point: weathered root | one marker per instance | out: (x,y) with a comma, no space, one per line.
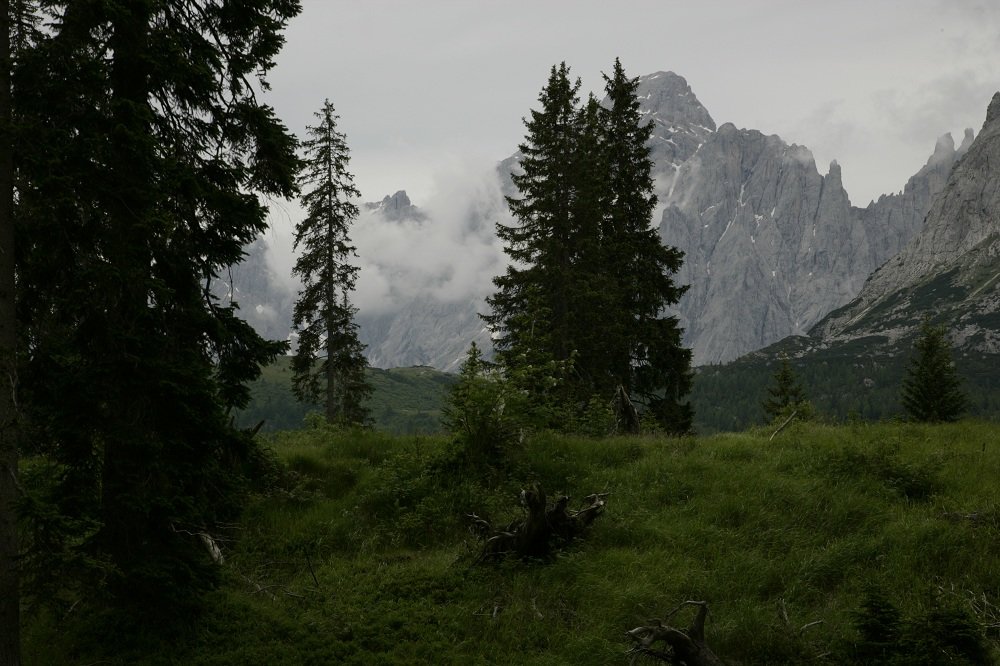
(542,529)
(680,647)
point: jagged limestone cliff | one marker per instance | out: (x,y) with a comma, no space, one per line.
(950,271)
(771,245)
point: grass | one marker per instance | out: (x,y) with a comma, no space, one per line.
(404,401)
(363,555)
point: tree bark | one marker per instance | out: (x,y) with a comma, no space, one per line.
(10,623)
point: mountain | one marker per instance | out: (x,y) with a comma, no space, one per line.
(435,271)
(264,300)
(854,359)
(424,331)
(770,245)
(681,124)
(949,271)
(396,208)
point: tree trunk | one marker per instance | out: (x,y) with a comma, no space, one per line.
(10,624)
(332,408)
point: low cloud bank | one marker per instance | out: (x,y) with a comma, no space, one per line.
(451,255)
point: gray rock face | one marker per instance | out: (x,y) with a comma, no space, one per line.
(396,207)
(770,245)
(430,312)
(264,300)
(905,210)
(680,123)
(950,270)
(424,331)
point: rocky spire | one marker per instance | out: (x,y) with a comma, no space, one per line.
(951,265)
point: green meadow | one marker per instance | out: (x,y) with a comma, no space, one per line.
(826,544)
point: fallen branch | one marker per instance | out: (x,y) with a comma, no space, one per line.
(782,426)
(206,539)
(680,647)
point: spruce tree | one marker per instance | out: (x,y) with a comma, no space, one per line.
(785,394)
(323,316)
(590,279)
(932,390)
(149,153)
(643,344)
(532,310)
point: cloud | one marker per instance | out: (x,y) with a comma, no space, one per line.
(280,238)
(450,256)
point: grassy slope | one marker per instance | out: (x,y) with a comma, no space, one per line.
(404,400)
(364,558)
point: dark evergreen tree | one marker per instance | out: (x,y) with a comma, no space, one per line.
(592,297)
(932,390)
(324,317)
(149,149)
(643,345)
(785,394)
(532,310)
(481,410)
(590,279)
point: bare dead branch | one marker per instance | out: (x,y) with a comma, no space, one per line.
(680,647)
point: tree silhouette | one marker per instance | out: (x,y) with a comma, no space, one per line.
(932,390)
(785,394)
(324,316)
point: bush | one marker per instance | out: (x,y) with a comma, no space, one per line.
(483,411)
(942,634)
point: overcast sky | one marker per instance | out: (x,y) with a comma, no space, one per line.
(430,87)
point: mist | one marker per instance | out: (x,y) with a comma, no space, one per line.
(450,255)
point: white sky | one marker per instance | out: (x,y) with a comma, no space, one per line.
(423,86)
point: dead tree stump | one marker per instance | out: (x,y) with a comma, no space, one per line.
(542,528)
(680,647)
(626,415)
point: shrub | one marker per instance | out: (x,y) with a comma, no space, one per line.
(483,411)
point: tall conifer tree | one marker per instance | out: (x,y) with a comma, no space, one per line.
(643,344)
(932,390)
(324,317)
(590,278)
(140,186)
(532,311)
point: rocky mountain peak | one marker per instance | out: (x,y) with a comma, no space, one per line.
(396,207)
(397,201)
(967,140)
(945,145)
(669,99)
(993,111)
(834,177)
(950,268)
(771,245)
(680,124)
